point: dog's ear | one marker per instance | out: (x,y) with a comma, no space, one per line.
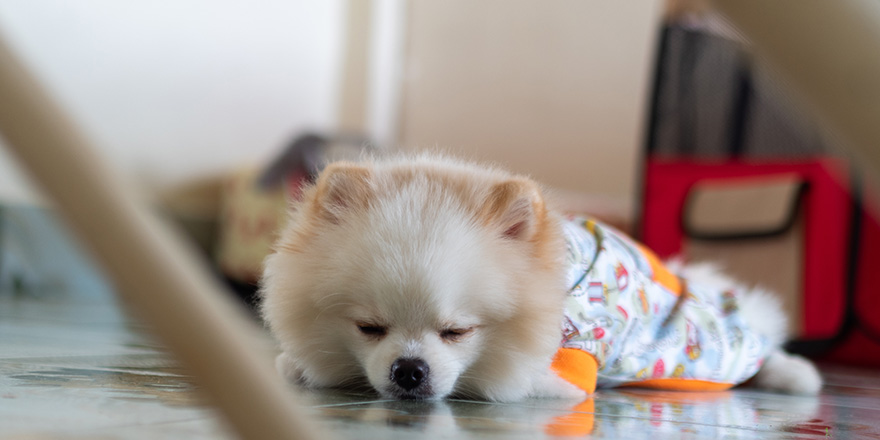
(515,208)
(341,187)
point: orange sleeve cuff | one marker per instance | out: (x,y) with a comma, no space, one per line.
(577,367)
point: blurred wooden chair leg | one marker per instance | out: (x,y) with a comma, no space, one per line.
(155,275)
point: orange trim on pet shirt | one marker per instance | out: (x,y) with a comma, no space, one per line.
(577,367)
(581,370)
(680,385)
(661,275)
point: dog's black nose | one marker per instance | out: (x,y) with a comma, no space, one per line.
(409,373)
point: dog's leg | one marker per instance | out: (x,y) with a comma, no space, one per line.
(763,314)
(781,371)
(551,386)
(788,373)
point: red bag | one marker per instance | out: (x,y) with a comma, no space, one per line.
(831,238)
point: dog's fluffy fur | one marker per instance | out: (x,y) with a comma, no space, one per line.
(455,265)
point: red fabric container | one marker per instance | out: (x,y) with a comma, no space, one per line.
(839,244)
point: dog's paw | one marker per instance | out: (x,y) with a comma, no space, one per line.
(286,368)
(788,373)
(551,386)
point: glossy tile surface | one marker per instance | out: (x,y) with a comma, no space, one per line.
(83,370)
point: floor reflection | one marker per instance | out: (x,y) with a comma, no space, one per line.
(80,371)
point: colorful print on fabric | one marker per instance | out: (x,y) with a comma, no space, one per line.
(639,330)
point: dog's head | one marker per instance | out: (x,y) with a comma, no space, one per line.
(425,277)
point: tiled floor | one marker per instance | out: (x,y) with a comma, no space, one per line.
(83,371)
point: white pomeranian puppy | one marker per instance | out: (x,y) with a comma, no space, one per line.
(426,277)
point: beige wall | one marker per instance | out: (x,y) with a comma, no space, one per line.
(174,91)
(554,89)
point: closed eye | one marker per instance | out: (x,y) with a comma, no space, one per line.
(455,334)
(372,330)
